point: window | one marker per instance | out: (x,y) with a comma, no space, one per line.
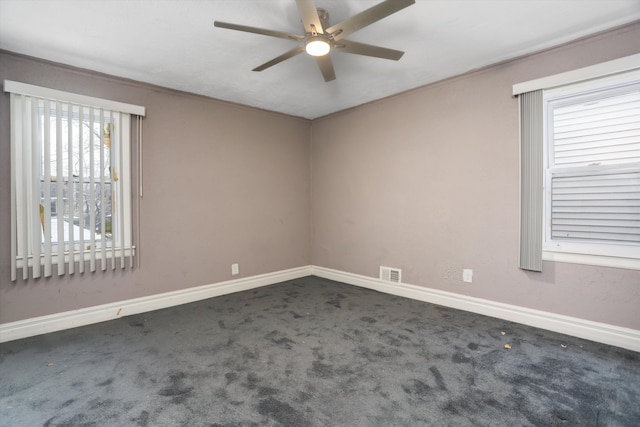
(592,169)
(71,181)
(580,166)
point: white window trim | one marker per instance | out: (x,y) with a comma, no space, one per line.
(73,98)
(596,260)
(620,65)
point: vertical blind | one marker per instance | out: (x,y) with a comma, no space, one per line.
(71,183)
(531,179)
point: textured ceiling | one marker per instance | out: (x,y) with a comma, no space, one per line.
(173,43)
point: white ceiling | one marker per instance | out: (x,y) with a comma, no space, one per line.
(173,43)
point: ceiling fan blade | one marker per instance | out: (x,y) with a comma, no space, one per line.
(289,54)
(326,67)
(262,31)
(309,15)
(367,17)
(347,46)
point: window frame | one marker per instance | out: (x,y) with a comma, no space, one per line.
(618,255)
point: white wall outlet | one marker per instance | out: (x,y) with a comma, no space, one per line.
(467,275)
(235,270)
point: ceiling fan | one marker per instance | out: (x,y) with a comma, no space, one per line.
(320,38)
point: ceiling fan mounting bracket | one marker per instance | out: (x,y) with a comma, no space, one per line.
(323,17)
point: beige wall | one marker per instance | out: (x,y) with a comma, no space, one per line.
(223,184)
(428,182)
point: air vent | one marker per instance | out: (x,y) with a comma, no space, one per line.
(388,274)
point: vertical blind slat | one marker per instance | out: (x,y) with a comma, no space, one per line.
(15,135)
(137,242)
(46,184)
(103,240)
(92,193)
(112,176)
(81,188)
(34,192)
(120,192)
(23,202)
(59,188)
(70,192)
(531,158)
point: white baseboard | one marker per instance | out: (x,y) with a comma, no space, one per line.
(594,331)
(86,316)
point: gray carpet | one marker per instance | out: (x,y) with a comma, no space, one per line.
(312,352)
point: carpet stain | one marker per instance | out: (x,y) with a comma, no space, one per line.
(252,381)
(451,408)
(49,422)
(320,370)
(303,396)
(389,339)
(67,403)
(142,420)
(250,354)
(381,352)
(176,389)
(231,377)
(459,357)
(318,353)
(100,404)
(221,394)
(105,383)
(438,377)
(335,301)
(233,425)
(267,391)
(279,339)
(282,412)
(417,388)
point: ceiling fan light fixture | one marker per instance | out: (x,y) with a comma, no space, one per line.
(317,46)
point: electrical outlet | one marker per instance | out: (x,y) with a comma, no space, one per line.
(235,270)
(467,275)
